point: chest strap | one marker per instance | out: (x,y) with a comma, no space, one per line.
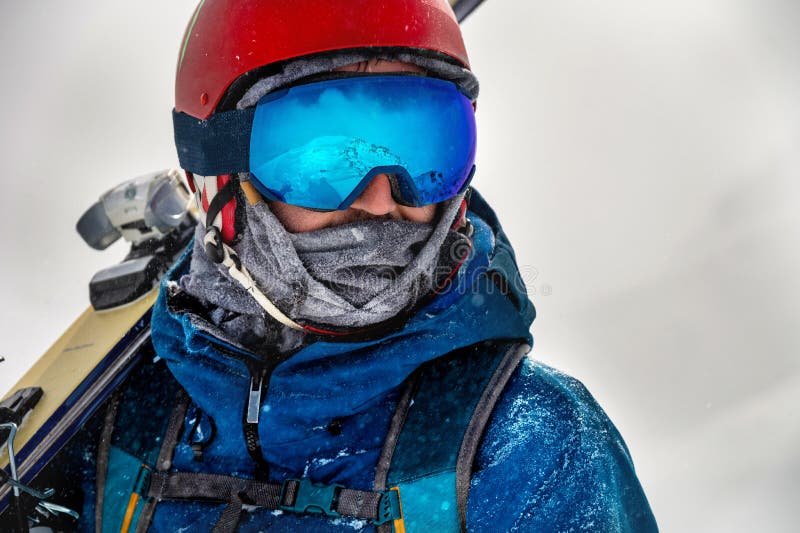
(293,495)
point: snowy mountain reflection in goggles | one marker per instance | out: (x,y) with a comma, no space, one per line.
(319,145)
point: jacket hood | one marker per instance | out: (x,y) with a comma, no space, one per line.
(352,383)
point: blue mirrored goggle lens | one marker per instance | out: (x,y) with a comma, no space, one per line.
(319,145)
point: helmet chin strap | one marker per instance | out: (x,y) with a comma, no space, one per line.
(221,253)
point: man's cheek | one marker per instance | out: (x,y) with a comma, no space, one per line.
(296,219)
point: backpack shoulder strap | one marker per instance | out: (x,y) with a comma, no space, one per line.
(164,462)
(477,425)
(436,430)
(138,436)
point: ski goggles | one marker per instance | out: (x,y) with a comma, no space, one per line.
(319,145)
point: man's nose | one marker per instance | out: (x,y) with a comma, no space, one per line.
(377,197)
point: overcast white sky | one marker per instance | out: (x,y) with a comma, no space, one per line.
(642,156)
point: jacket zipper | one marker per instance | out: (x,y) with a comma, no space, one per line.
(260,372)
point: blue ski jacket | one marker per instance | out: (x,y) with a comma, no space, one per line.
(550,459)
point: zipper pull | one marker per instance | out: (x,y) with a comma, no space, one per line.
(259,376)
(254,400)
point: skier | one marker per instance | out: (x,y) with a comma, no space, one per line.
(347,338)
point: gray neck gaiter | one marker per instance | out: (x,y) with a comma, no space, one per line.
(345,277)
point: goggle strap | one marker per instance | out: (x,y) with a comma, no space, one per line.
(219,145)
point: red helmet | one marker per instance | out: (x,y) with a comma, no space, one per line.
(227,39)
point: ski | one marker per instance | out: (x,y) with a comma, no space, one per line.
(97,352)
(463,8)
